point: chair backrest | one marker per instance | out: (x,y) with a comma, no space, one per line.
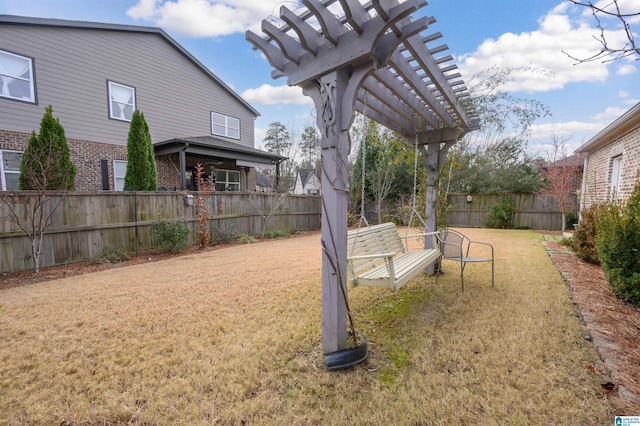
(451,243)
(382,238)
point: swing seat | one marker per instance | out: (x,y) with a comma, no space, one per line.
(378,257)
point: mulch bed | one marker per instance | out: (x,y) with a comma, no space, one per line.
(611,324)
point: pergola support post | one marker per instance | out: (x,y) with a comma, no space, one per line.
(334,95)
(436,154)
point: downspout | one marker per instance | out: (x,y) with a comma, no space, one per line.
(277,176)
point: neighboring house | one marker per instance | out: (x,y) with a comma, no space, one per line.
(307,182)
(568,169)
(95,75)
(612,160)
(263,183)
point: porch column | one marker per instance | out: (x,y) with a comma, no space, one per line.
(183,167)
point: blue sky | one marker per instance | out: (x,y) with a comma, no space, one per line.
(583,98)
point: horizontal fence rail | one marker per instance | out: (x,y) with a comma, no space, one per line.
(85,224)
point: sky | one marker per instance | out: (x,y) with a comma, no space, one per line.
(582,98)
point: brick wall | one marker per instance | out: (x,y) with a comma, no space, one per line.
(599,169)
(87,155)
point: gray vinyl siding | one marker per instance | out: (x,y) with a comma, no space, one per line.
(72,67)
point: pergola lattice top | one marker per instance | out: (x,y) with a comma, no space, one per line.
(406,87)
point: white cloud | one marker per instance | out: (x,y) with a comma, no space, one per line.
(547,130)
(626,69)
(273,95)
(205,18)
(611,113)
(559,31)
(623,94)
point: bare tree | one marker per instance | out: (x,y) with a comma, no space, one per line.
(561,174)
(611,9)
(32,210)
(381,177)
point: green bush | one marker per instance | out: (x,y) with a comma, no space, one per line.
(570,219)
(111,255)
(501,213)
(277,234)
(584,238)
(170,236)
(618,245)
(246,239)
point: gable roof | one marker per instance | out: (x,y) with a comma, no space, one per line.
(305,175)
(86,25)
(621,126)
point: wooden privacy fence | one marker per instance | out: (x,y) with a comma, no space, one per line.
(85,224)
(532,210)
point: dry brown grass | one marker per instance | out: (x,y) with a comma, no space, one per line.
(233,336)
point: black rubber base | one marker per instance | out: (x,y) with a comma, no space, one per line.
(346,358)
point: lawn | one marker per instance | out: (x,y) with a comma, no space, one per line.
(233,336)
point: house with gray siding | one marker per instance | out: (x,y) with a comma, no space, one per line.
(95,75)
(612,160)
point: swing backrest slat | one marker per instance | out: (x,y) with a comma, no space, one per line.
(375,239)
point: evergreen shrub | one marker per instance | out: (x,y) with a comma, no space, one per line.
(170,236)
(618,245)
(584,238)
(501,213)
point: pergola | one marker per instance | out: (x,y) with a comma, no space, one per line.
(351,56)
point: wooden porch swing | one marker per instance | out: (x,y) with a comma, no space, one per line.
(377,255)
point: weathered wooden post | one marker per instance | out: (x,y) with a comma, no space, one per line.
(335,103)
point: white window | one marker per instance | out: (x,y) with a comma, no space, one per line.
(122,101)
(119,170)
(227,180)
(616,170)
(10,170)
(16,77)
(223,125)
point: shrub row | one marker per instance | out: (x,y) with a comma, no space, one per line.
(610,234)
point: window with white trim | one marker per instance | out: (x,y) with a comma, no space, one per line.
(223,125)
(16,77)
(616,171)
(122,101)
(119,171)
(10,170)
(227,180)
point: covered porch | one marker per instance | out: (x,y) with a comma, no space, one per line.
(231,166)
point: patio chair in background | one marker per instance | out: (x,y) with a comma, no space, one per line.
(458,247)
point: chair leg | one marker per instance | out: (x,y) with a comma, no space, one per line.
(492,274)
(462,265)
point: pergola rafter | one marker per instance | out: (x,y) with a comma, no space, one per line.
(349,56)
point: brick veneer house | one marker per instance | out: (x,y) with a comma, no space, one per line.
(612,160)
(95,75)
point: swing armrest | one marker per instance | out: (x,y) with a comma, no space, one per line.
(422,234)
(371,256)
(433,235)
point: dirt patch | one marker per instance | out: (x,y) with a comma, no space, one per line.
(611,324)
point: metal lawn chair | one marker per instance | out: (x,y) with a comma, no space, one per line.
(458,247)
